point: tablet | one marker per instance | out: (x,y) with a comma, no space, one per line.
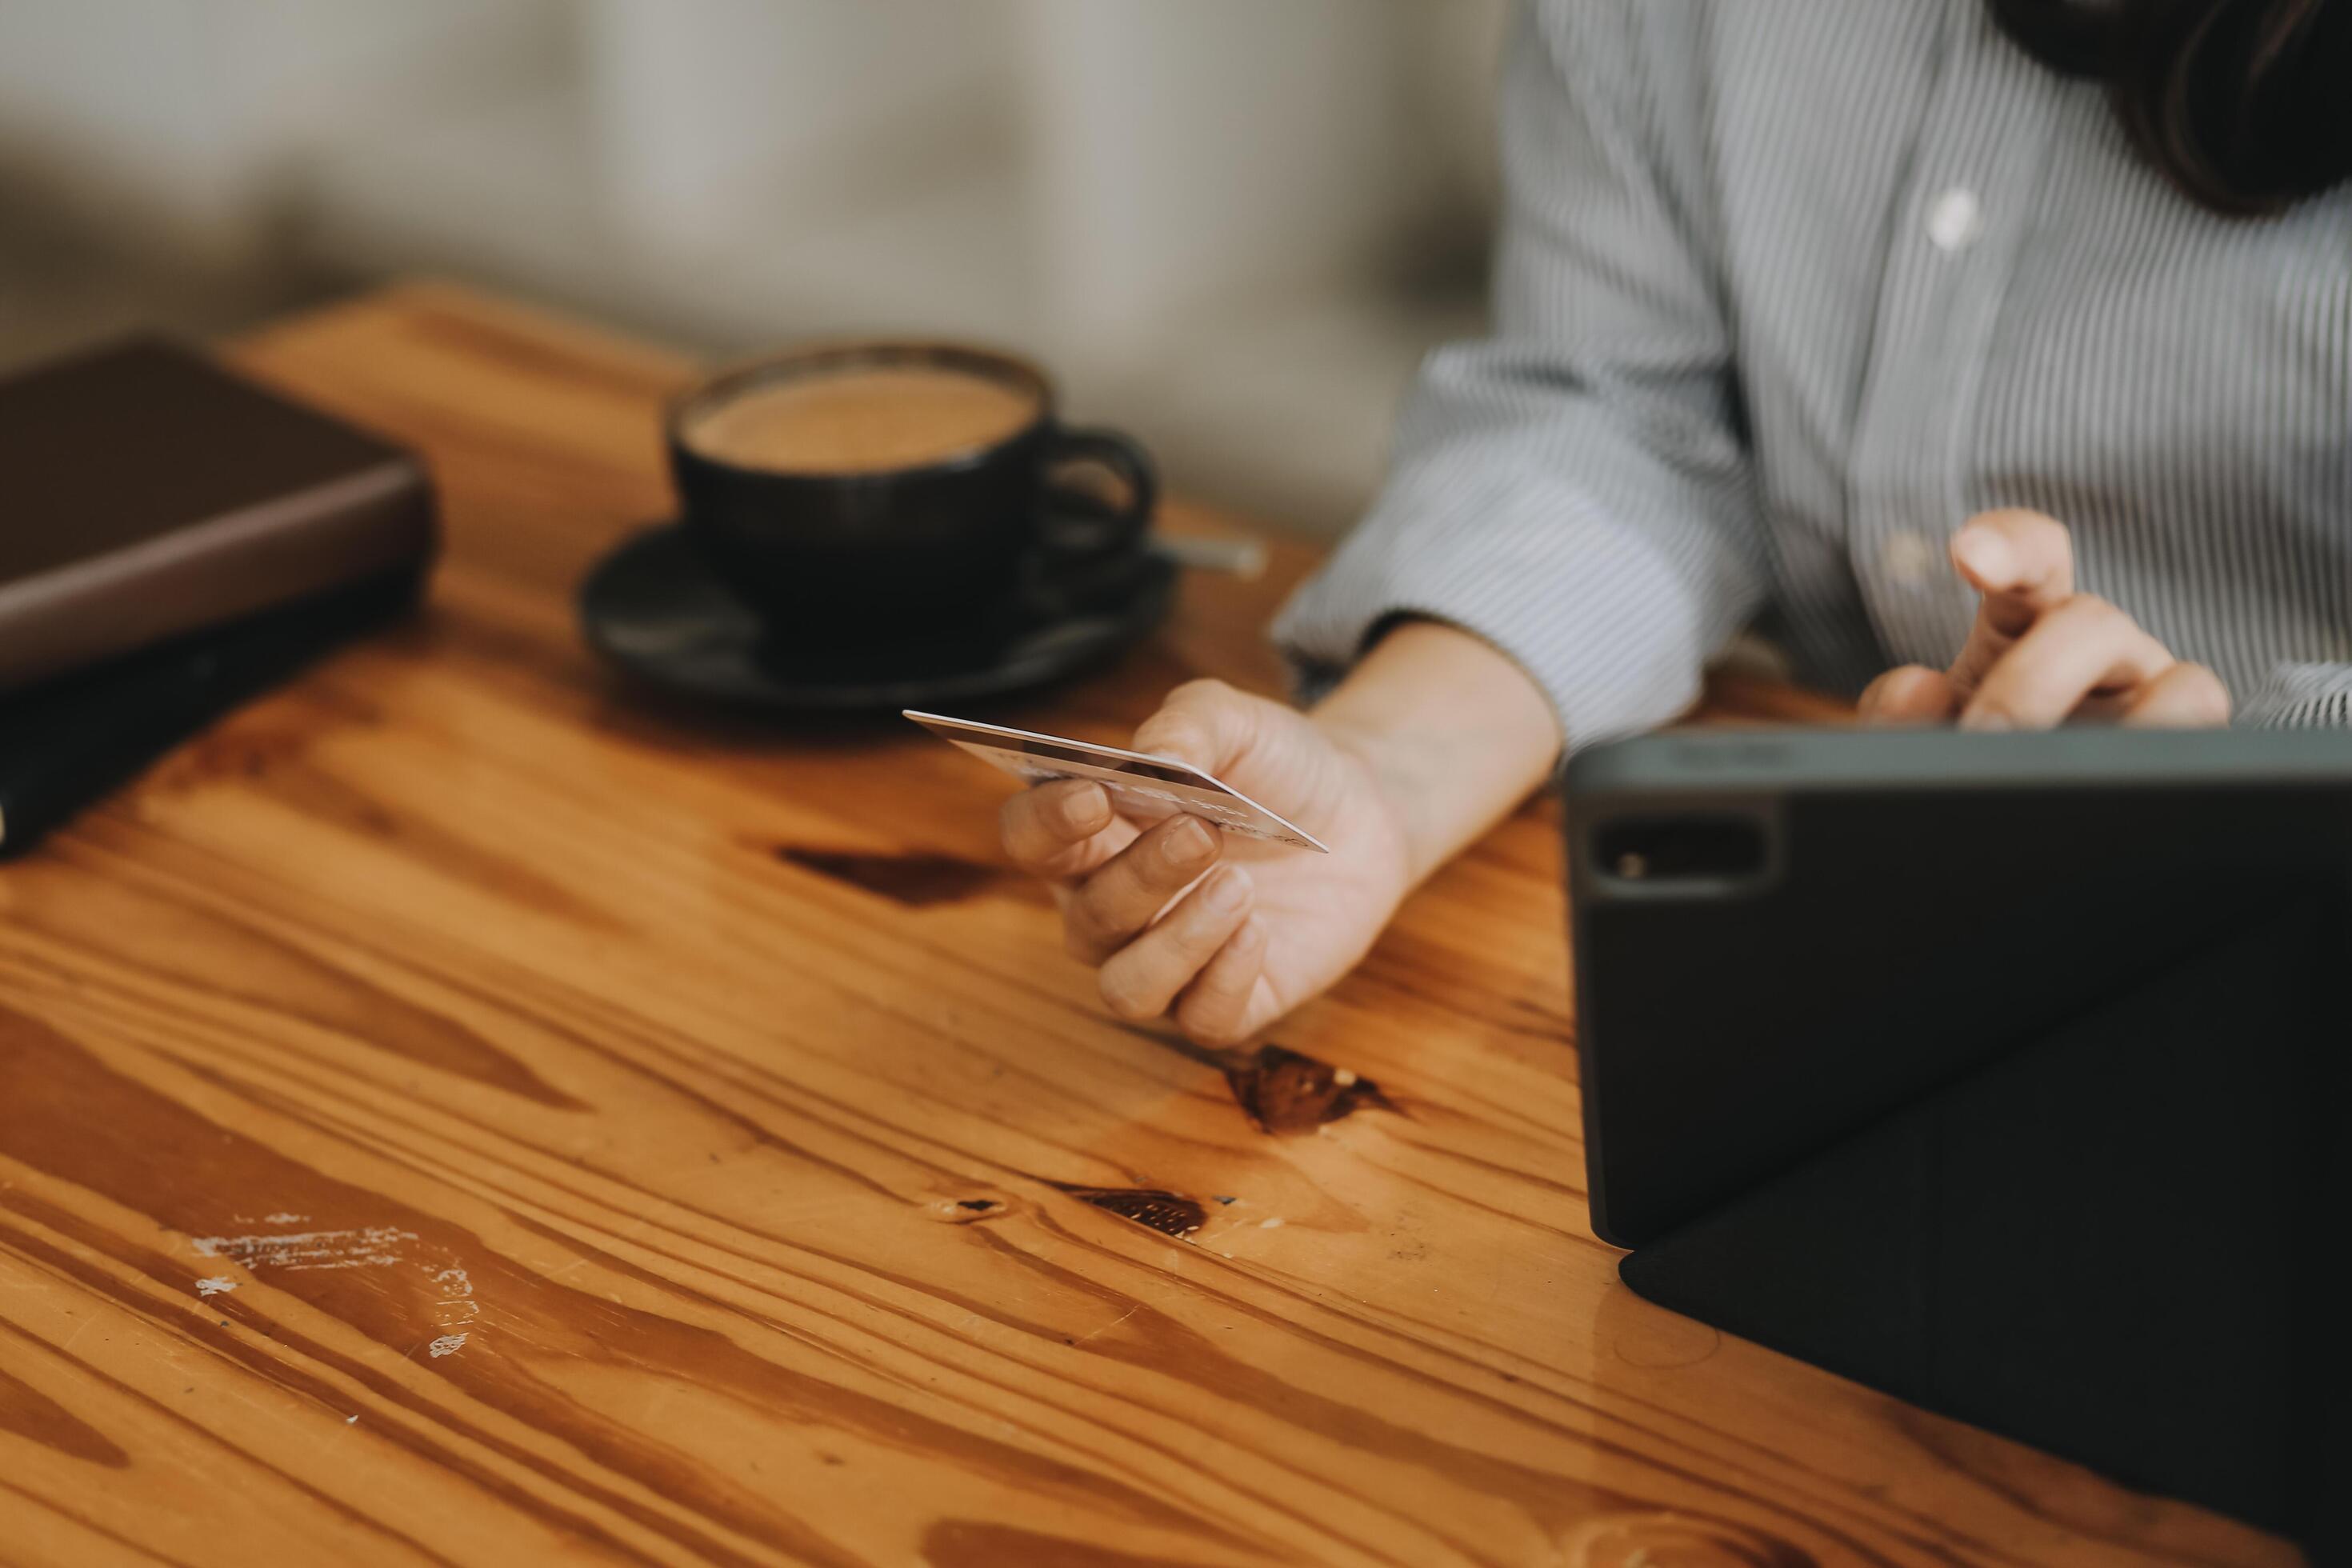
(1781,936)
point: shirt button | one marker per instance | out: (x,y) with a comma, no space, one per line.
(1909,559)
(1955,218)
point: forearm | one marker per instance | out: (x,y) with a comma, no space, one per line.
(1456,733)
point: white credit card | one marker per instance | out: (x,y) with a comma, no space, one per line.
(1151,785)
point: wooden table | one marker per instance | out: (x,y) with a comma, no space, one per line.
(461,1111)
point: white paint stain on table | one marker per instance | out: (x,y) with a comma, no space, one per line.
(368,1247)
(454,1308)
(456,1304)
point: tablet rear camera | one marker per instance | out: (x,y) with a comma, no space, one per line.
(1653,849)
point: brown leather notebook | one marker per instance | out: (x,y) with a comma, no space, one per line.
(146,492)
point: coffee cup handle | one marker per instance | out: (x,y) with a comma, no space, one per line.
(1084,524)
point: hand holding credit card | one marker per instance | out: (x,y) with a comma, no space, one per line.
(1149,786)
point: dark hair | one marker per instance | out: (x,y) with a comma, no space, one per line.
(2246,105)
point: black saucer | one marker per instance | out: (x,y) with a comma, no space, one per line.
(655,608)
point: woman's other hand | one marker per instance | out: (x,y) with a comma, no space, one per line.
(2039,653)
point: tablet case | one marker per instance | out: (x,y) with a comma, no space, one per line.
(2116,1240)
(146,491)
(1909,935)
(68,743)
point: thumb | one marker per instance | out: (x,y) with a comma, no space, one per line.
(1911,694)
(1206,723)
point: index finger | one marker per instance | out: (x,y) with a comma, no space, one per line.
(2023,563)
(1064,828)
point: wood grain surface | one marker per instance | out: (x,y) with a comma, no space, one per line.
(465,1111)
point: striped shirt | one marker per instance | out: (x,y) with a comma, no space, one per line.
(1786,291)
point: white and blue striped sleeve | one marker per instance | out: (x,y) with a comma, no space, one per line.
(1575,490)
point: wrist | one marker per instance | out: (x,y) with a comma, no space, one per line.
(1396,771)
(1452,733)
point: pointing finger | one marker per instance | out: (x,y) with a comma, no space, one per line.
(2023,564)
(2025,560)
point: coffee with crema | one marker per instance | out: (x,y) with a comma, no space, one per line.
(842,489)
(861,419)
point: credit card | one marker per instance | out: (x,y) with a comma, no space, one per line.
(1151,785)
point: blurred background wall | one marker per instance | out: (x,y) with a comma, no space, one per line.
(1232,225)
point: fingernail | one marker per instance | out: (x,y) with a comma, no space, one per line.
(1226,890)
(1188,841)
(1988,721)
(1174,741)
(1985,554)
(1086,811)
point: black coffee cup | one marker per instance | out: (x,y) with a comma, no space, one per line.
(888,535)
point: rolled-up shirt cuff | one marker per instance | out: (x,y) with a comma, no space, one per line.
(1605,623)
(2301,696)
